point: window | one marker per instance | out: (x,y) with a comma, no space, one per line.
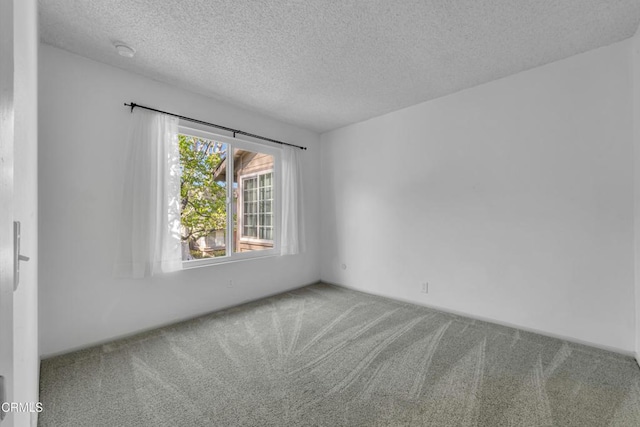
(257,207)
(228,198)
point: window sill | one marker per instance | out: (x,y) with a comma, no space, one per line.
(188,265)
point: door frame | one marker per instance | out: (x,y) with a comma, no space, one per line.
(7,111)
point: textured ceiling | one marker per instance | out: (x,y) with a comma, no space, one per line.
(325,64)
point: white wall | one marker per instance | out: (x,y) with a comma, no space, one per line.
(513,199)
(83,126)
(635,70)
(25,315)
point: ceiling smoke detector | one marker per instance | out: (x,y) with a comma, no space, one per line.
(124,49)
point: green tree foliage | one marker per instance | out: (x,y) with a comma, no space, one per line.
(203,199)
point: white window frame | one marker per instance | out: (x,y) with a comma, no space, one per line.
(232,144)
(241,206)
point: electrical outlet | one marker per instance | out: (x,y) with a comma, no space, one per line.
(424,288)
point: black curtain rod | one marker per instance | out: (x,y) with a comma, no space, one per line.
(234,131)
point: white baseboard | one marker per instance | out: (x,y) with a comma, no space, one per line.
(497,322)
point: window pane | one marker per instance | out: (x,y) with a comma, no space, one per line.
(203,196)
(253,202)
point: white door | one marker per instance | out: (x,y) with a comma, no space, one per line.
(6,203)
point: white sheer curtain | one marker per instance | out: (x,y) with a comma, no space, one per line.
(149,224)
(292,238)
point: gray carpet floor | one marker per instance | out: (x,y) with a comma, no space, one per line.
(327,356)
